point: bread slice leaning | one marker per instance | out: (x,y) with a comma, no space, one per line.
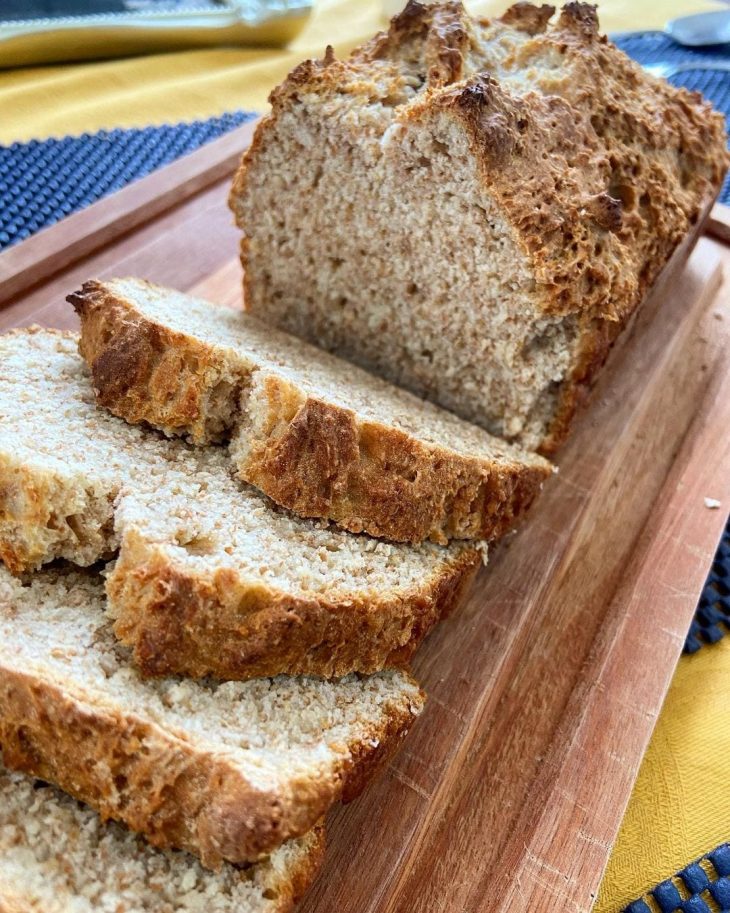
(58,856)
(228,771)
(319,436)
(211,577)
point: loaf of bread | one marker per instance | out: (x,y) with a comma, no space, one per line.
(316,434)
(211,577)
(474,208)
(225,770)
(58,856)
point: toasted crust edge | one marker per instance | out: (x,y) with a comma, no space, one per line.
(135,772)
(597,343)
(310,456)
(301,877)
(221,625)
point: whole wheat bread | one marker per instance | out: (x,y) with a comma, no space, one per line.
(227,771)
(211,577)
(317,435)
(57,856)
(473,208)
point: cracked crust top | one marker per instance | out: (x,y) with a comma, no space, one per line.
(598,169)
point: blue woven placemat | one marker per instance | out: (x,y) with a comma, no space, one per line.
(701,887)
(43,181)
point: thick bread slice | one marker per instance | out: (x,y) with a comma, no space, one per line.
(317,435)
(58,856)
(211,577)
(227,771)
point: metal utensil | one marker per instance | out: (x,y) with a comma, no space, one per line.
(700,29)
(665,70)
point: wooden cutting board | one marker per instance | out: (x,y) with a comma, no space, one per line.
(544,689)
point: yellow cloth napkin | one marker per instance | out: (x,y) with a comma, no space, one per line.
(165,88)
(680,808)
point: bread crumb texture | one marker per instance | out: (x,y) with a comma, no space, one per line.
(212,577)
(57,856)
(226,770)
(318,435)
(473,208)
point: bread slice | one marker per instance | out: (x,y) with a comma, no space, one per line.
(57,856)
(473,208)
(319,436)
(211,578)
(227,771)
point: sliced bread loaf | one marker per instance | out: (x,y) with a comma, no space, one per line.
(317,435)
(58,856)
(212,578)
(227,771)
(473,208)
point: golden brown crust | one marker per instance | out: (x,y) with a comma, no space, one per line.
(133,771)
(220,625)
(145,372)
(310,456)
(600,172)
(301,876)
(324,461)
(581,263)
(34,526)
(526,17)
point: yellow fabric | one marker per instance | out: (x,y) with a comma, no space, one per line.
(681,804)
(166,88)
(680,807)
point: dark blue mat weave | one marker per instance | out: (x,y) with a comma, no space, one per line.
(712,618)
(702,887)
(43,181)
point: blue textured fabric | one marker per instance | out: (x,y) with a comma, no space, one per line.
(43,181)
(705,880)
(712,618)
(720,892)
(720,859)
(638,906)
(695,905)
(695,878)
(667,896)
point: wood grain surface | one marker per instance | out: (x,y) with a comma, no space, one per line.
(545,687)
